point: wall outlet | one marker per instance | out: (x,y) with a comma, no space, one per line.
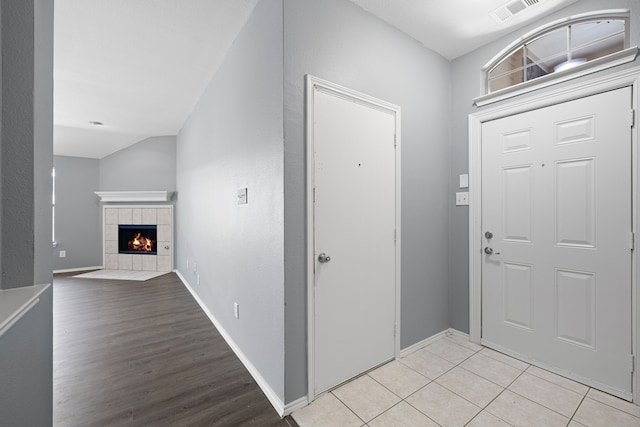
(198,279)
(462,199)
(236,310)
(63,254)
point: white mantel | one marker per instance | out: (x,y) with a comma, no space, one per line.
(134,196)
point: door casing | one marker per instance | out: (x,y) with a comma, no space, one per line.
(626,78)
(311,84)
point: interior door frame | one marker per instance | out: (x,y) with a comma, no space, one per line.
(312,83)
(626,78)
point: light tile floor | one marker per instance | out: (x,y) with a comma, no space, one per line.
(453,382)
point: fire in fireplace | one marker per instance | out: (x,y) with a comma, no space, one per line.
(137,239)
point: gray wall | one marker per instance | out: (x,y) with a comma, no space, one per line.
(26,369)
(337,41)
(467,75)
(147,165)
(17,168)
(43,139)
(78,212)
(233,139)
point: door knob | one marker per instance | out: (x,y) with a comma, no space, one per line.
(488,234)
(489,251)
(323,258)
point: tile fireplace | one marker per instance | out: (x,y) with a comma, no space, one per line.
(138,237)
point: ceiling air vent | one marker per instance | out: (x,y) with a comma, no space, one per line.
(508,10)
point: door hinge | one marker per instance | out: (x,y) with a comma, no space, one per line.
(395,235)
(632,117)
(632,240)
(395,140)
(314,194)
(632,360)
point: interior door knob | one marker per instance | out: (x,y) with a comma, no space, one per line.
(323,258)
(489,251)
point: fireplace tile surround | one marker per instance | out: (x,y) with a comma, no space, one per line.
(160,215)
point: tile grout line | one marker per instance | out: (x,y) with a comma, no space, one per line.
(579,405)
(396,394)
(553,384)
(492,382)
(553,373)
(405,398)
(498,395)
(453,392)
(483,408)
(610,406)
(347,406)
(546,407)
(430,380)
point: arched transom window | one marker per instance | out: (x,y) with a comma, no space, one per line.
(569,44)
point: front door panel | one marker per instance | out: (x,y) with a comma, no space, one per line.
(556,194)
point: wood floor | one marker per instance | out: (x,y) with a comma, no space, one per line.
(144,354)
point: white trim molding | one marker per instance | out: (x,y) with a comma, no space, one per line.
(16,302)
(624,56)
(291,407)
(430,340)
(626,78)
(312,83)
(422,344)
(134,196)
(590,67)
(271,395)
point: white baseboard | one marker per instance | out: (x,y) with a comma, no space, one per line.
(425,342)
(452,331)
(295,405)
(262,383)
(73,270)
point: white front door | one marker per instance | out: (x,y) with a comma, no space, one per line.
(354,224)
(556,200)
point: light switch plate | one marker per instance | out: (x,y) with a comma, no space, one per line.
(462,198)
(464,180)
(242,196)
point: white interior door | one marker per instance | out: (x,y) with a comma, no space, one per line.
(354,225)
(556,195)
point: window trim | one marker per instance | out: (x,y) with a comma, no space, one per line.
(617,58)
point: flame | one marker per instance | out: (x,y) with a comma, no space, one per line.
(142,244)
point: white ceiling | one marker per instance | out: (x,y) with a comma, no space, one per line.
(454,27)
(140,66)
